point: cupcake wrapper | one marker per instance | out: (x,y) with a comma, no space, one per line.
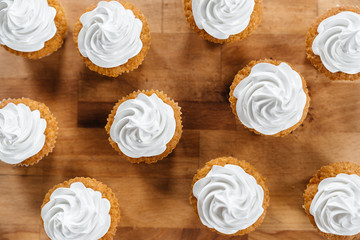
(173,142)
(315,59)
(106,192)
(134,62)
(50,131)
(243,73)
(54,43)
(249,169)
(326,172)
(254,22)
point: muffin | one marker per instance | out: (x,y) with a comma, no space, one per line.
(229,196)
(81,208)
(28,131)
(269,97)
(144,126)
(332,201)
(223,21)
(332,43)
(33,28)
(112,37)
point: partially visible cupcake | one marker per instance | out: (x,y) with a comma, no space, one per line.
(81,208)
(333,43)
(229,196)
(28,131)
(145,126)
(32,28)
(332,201)
(112,37)
(223,21)
(269,97)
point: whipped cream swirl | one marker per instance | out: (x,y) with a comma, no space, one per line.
(21,133)
(336,205)
(338,43)
(76,213)
(110,35)
(271,99)
(143,126)
(222,18)
(228,199)
(25,25)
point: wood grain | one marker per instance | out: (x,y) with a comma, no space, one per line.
(197,74)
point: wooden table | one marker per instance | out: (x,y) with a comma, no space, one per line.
(197,74)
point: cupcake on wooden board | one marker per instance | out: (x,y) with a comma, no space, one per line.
(145,126)
(223,21)
(229,196)
(333,43)
(112,37)
(269,97)
(28,131)
(332,201)
(81,209)
(32,28)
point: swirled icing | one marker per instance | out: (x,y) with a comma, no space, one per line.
(271,99)
(110,35)
(25,25)
(76,213)
(21,133)
(222,18)
(143,126)
(336,205)
(228,199)
(338,43)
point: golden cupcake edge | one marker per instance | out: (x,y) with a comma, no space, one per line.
(170,146)
(249,169)
(243,73)
(106,192)
(50,131)
(134,62)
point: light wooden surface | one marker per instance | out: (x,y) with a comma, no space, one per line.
(197,74)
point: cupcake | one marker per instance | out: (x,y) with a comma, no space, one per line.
(82,209)
(332,201)
(269,97)
(144,126)
(112,37)
(32,28)
(229,196)
(28,131)
(333,43)
(223,21)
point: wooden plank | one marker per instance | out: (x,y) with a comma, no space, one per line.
(154,198)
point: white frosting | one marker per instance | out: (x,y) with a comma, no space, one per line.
(336,205)
(25,25)
(76,213)
(110,35)
(338,43)
(271,99)
(222,18)
(228,199)
(21,133)
(143,126)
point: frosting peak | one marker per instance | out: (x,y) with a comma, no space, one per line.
(222,18)
(143,126)
(110,35)
(76,213)
(338,43)
(228,199)
(21,133)
(271,99)
(336,205)
(25,25)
